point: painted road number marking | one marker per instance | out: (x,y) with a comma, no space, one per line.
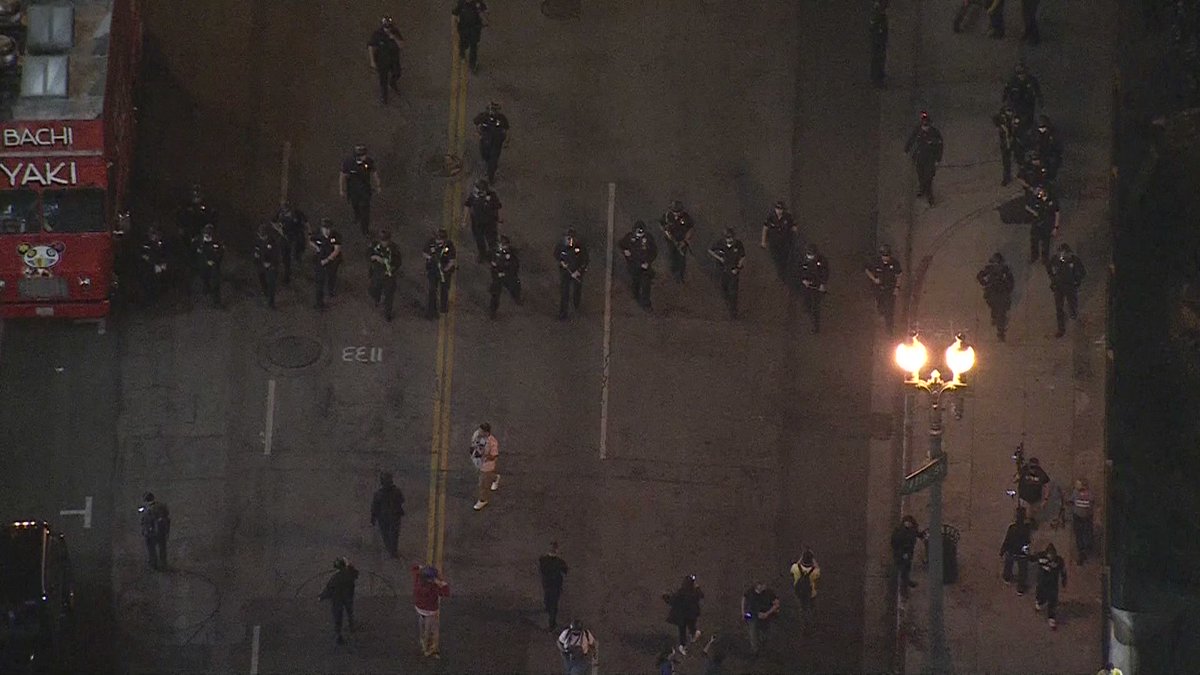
(86,512)
(362,354)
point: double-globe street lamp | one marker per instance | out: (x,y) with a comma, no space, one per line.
(911,357)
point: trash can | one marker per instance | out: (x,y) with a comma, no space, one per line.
(950,537)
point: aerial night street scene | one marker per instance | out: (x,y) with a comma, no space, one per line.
(565,336)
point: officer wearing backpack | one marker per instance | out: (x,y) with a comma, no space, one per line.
(805,573)
(579,649)
(156,527)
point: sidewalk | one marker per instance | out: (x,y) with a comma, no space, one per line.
(1046,392)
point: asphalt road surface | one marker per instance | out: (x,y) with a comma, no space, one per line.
(728,445)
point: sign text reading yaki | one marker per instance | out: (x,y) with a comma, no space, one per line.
(45,174)
(39,137)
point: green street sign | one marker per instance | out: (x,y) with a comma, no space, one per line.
(925,476)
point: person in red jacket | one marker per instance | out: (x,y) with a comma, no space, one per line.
(428,590)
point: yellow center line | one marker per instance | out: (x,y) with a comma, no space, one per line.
(439,458)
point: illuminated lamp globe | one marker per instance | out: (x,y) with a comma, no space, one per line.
(960,357)
(911,356)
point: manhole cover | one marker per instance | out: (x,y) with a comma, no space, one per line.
(444,166)
(562,10)
(294,352)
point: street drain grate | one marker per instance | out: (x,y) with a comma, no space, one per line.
(444,166)
(294,352)
(561,10)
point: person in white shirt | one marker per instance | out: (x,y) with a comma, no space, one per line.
(485,450)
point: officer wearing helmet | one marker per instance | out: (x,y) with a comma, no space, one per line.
(926,147)
(1048,146)
(471,17)
(571,256)
(326,245)
(207,254)
(997,281)
(482,211)
(384,257)
(383,50)
(677,226)
(778,232)
(358,181)
(492,126)
(268,258)
(506,274)
(339,590)
(194,215)
(152,265)
(884,272)
(731,256)
(814,277)
(1023,92)
(1044,210)
(640,251)
(441,260)
(1066,276)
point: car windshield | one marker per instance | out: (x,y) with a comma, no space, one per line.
(19,212)
(74,210)
(20,576)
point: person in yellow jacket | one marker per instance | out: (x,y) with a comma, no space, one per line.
(805,573)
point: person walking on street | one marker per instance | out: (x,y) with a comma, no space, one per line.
(884,272)
(553,569)
(387,509)
(428,590)
(339,591)
(1032,484)
(685,611)
(814,279)
(152,265)
(677,227)
(778,232)
(878,29)
(207,254)
(1029,10)
(580,650)
(926,147)
(640,251)
(193,216)
(384,257)
(440,262)
(1048,145)
(731,256)
(995,12)
(383,50)
(293,223)
(485,451)
(492,126)
(760,608)
(156,528)
(1015,550)
(326,243)
(1023,93)
(904,541)
(1051,571)
(805,573)
(1066,276)
(506,274)
(472,17)
(268,257)
(997,281)
(358,181)
(1008,130)
(1044,209)
(481,211)
(1081,520)
(572,258)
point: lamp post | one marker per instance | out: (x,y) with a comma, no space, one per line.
(911,357)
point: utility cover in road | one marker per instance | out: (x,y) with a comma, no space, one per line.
(925,476)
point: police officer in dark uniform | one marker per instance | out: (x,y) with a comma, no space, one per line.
(482,211)
(1066,276)
(572,258)
(384,257)
(731,256)
(194,215)
(1029,10)
(1033,175)
(677,228)
(997,281)
(492,126)
(506,273)
(267,256)
(472,17)
(358,181)
(1044,209)
(156,530)
(294,224)
(440,262)
(640,251)
(1049,147)
(878,29)
(1007,128)
(383,50)
(284,244)
(326,243)
(814,277)
(884,272)
(926,146)
(778,233)
(1052,570)
(207,254)
(1023,92)
(387,510)
(152,264)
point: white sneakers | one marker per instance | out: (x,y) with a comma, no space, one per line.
(479,505)
(496,483)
